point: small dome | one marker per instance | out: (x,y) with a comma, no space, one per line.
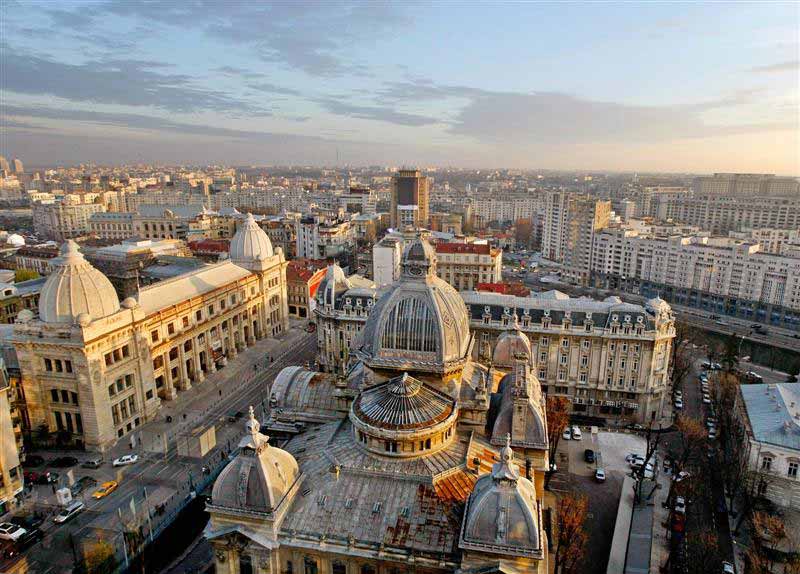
(75,287)
(130,303)
(502,513)
(511,346)
(15,240)
(83,319)
(334,283)
(24,316)
(259,478)
(657,305)
(250,243)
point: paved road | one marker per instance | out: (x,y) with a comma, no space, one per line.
(166,476)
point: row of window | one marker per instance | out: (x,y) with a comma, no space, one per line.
(117,355)
(123,410)
(70,422)
(311,566)
(57,365)
(792,471)
(120,385)
(62,396)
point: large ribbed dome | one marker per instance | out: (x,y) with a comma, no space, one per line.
(250,244)
(420,322)
(510,346)
(76,291)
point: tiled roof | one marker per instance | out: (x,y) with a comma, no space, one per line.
(475,248)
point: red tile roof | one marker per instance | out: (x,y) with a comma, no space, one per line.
(515,288)
(210,245)
(476,248)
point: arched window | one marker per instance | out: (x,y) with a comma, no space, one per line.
(367,569)
(245,564)
(310,565)
(338,567)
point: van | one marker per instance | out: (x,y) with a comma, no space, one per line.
(93,463)
(69,512)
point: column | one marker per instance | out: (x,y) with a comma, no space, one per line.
(186,384)
(241,333)
(169,386)
(198,367)
(212,366)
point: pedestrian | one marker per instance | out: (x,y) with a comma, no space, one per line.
(53,486)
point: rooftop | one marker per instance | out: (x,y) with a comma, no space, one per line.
(774,413)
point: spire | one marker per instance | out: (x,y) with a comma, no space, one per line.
(505,469)
(253,437)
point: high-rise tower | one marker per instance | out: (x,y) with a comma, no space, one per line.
(410,199)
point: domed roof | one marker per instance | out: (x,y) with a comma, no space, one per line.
(420,322)
(15,240)
(260,476)
(250,243)
(510,346)
(520,415)
(657,305)
(332,284)
(502,514)
(75,287)
(402,403)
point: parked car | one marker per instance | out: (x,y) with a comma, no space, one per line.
(706,364)
(93,463)
(69,512)
(680,505)
(600,475)
(28,539)
(82,484)
(706,399)
(567,435)
(64,462)
(716,366)
(727,568)
(712,434)
(32,477)
(32,461)
(576,433)
(678,404)
(10,531)
(682,475)
(678,394)
(28,521)
(588,455)
(105,489)
(629,457)
(125,460)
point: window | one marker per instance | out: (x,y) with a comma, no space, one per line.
(173,353)
(171,329)
(367,569)
(766,463)
(309,565)
(68,366)
(198,315)
(565,343)
(64,396)
(186,321)
(154,336)
(126,351)
(210,310)
(54,395)
(48,365)
(586,344)
(793,466)
(149,394)
(584,361)
(582,377)
(111,391)
(542,374)
(338,567)
(59,367)
(158,362)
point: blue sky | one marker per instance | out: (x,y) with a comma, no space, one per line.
(631,86)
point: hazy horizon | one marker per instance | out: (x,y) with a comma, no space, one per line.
(655,88)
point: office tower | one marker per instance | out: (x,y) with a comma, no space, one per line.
(410,199)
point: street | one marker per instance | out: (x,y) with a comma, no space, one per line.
(161,479)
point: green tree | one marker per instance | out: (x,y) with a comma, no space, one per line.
(25,275)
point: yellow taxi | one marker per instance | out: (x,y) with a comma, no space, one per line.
(105,489)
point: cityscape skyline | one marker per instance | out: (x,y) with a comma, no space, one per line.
(713,90)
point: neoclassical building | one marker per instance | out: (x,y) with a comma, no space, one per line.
(416,459)
(610,358)
(97,368)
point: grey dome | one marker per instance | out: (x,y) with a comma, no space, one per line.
(403,403)
(250,243)
(74,288)
(502,515)
(334,283)
(260,476)
(420,319)
(510,346)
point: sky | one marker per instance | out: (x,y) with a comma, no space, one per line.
(645,87)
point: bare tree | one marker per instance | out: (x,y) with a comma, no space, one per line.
(557,420)
(639,473)
(684,353)
(702,553)
(693,438)
(571,535)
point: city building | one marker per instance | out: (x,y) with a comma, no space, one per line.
(718,274)
(97,369)
(11,476)
(410,196)
(63,219)
(303,278)
(571,220)
(320,237)
(723,213)
(404,466)
(464,265)
(770,240)
(386,258)
(282,231)
(36,257)
(14,297)
(112,225)
(770,417)
(747,185)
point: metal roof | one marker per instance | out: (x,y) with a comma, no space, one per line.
(774,413)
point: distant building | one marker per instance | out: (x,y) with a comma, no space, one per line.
(386,258)
(747,185)
(14,297)
(319,237)
(63,219)
(410,196)
(303,278)
(464,265)
(35,258)
(770,417)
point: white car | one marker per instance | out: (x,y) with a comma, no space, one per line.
(678,394)
(706,400)
(727,568)
(69,512)
(682,475)
(635,461)
(576,433)
(567,434)
(680,505)
(125,460)
(10,531)
(678,404)
(712,434)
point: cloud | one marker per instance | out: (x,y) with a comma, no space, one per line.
(115,81)
(789,66)
(377,113)
(274,89)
